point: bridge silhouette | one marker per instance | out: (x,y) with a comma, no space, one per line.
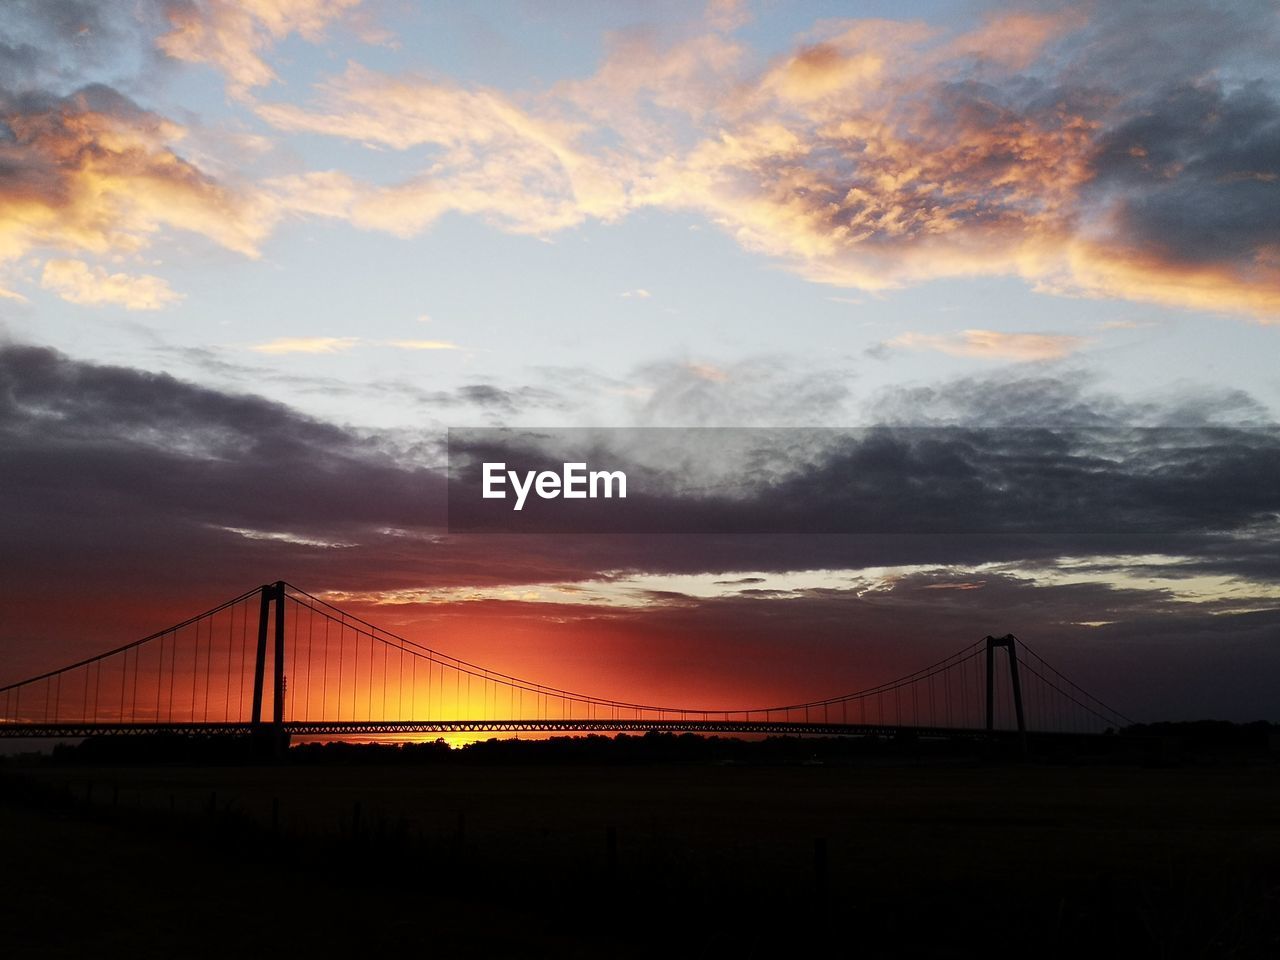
(277,662)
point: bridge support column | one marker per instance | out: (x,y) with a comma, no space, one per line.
(260,664)
(1010,643)
(279,738)
(271,737)
(277,590)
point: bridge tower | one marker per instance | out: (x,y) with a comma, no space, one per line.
(272,736)
(1010,643)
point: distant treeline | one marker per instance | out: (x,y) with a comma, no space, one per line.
(1222,733)
(623,748)
(1166,739)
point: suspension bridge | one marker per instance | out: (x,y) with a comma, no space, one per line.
(277,662)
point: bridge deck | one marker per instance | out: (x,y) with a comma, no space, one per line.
(356,728)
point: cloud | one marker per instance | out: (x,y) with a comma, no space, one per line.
(727,14)
(92,172)
(282,345)
(1126,324)
(876,154)
(1046,145)
(481,400)
(493,158)
(151,459)
(637,294)
(75,281)
(764,391)
(48,43)
(234,35)
(707,371)
(883,154)
(1071,402)
(205,450)
(992,344)
(420,344)
(1186,200)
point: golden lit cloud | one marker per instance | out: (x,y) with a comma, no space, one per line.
(832,159)
(495,159)
(875,155)
(340,344)
(94,173)
(76,281)
(282,345)
(994,345)
(1099,269)
(234,35)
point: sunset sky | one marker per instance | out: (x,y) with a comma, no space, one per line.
(256,257)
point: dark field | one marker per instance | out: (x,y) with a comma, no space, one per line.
(948,859)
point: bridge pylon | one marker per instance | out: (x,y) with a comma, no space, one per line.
(272,737)
(1010,643)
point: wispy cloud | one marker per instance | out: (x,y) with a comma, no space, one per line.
(306,345)
(234,35)
(1126,324)
(419,344)
(339,344)
(993,344)
(707,371)
(523,171)
(286,537)
(640,293)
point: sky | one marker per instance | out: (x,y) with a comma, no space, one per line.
(256,258)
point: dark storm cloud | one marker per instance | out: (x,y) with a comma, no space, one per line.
(1138,45)
(107,461)
(1196,174)
(1058,402)
(80,435)
(1184,170)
